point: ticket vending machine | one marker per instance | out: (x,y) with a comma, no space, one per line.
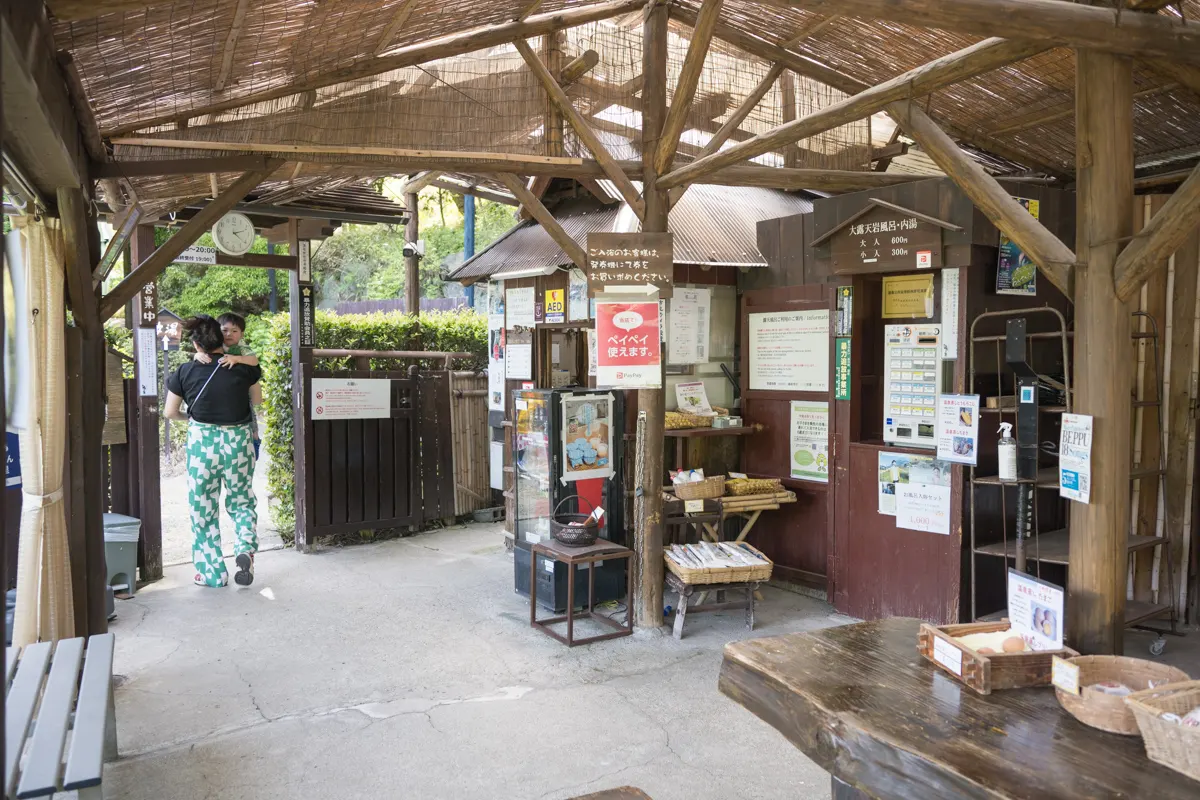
(912,381)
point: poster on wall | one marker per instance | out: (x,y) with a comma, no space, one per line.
(587,436)
(958,428)
(901,469)
(923,507)
(496,297)
(810,441)
(1035,610)
(688,326)
(950,284)
(629,349)
(518,355)
(908,297)
(147,362)
(577,295)
(496,335)
(692,398)
(1075,458)
(789,351)
(1015,273)
(556,306)
(520,308)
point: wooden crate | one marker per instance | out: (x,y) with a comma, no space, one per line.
(985,673)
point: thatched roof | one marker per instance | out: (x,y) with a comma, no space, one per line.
(183,72)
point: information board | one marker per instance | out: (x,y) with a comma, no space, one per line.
(351,398)
(789,351)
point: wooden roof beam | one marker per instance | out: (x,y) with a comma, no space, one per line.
(403,12)
(545,219)
(443,47)
(582,129)
(579,66)
(1183,74)
(1052,21)
(1166,232)
(1045,249)
(966,63)
(538,184)
(75,10)
(177,166)
(230,49)
(157,261)
(478,190)
(685,87)
(418,182)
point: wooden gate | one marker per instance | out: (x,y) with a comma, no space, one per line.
(367,474)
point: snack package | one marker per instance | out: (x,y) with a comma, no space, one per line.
(1113,688)
(1192,718)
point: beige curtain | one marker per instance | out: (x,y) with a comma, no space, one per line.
(45,609)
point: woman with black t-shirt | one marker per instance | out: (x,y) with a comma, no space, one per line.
(220,450)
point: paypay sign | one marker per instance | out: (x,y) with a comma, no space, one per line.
(912,372)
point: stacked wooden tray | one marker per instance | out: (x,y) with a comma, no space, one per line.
(756,502)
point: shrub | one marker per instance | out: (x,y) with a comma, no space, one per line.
(457,331)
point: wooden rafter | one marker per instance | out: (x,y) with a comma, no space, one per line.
(478,190)
(537,186)
(1050,117)
(1167,230)
(685,87)
(596,190)
(531,9)
(1184,74)
(579,66)
(966,63)
(403,12)
(1072,24)
(1045,249)
(582,129)
(419,182)
(545,219)
(177,166)
(231,41)
(819,24)
(443,47)
(157,261)
(75,10)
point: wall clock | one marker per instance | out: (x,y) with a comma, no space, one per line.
(233,234)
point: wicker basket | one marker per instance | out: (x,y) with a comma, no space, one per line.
(574,535)
(705,575)
(1169,743)
(707,489)
(678,420)
(744,486)
(1109,712)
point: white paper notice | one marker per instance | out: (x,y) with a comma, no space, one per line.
(958,428)
(496,465)
(496,335)
(923,507)
(352,398)
(1035,609)
(518,356)
(1064,675)
(688,326)
(1075,457)
(789,351)
(693,399)
(197,254)
(518,304)
(950,314)
(591,340)
(947,655)
(147,362)
(577,296)
(810,441)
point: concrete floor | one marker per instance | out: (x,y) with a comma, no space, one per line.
(407,669)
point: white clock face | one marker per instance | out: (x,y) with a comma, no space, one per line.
(234,234)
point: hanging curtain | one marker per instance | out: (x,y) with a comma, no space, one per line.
(45,609)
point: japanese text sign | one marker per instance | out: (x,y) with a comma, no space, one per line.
(147,306)
(628,347)
(884,240)
(629,261)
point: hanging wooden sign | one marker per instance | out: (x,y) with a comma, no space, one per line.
(883,238)
(633,263)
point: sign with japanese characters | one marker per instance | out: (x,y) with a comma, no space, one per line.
(841,368)
(630,262)
(886,240)
(197,254)
(1035,610)
(1075,458)
(356,398)
(169,330)
(147,305)
(628,346)
(789,351)
(308,330)
(556,306)
(810,441)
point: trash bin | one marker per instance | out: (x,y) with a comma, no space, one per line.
(120,551)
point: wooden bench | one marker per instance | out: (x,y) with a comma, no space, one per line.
(687,590)
(46,699)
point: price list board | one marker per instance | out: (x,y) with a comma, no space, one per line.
(911,367)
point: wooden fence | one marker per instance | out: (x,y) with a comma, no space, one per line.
(469,432)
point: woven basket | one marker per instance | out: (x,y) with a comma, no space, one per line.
(707,489)
(1109,712)
(745,486)
(1169,743)
(704,575)
(678,420)
(574,535)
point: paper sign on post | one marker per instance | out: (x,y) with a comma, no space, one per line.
(958,428)
(1035,610)
(1075,457)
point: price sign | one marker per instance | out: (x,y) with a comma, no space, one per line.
(1064,675)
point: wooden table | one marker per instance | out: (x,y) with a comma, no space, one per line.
(681,435)
(860,702)
(601,550)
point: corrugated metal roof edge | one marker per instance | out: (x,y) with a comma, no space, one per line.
(468,280)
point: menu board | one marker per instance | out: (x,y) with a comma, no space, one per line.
(789,351)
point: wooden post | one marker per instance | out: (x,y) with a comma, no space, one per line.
(647,605)
(1104,136)
(302,363)
(412,264)
(552,120)
(787,91)
(149,507)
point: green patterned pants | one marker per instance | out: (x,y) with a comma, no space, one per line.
(219,454)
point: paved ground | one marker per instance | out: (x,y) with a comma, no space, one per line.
(177,529)
(407,669)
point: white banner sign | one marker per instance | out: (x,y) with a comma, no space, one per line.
(688,326)
(958,428)
(923,507)
(197,254)
(518,304)
(304,264)
(351,398)
(950,284)
(147,362)
(577,296)
(496,343)
(1075,458)
(789,351)
(518,356)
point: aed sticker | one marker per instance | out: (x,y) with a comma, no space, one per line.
(1064,675)
(1027,394)
(924,259)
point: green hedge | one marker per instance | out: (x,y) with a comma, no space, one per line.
(459,331)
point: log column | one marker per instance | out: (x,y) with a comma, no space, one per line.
(412,264)
(647,605)
(1104,125)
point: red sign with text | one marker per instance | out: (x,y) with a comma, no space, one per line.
(628,346)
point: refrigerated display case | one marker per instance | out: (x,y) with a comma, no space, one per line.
(542,458)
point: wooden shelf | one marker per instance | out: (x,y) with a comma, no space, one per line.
(1053,547)
(1013,410)
(1138,611)
(1047,478)
(699,433)
(1144,472)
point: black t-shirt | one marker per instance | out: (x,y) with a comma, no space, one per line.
(226,401)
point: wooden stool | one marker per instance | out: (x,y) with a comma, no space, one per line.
(601,550)
(686,590)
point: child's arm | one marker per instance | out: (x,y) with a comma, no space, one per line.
(250,360)
(203,358)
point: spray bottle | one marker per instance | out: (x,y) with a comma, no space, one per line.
(1006,450)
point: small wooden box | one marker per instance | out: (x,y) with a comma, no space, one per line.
(985,673)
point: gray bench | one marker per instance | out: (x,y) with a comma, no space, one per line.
(47,699)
